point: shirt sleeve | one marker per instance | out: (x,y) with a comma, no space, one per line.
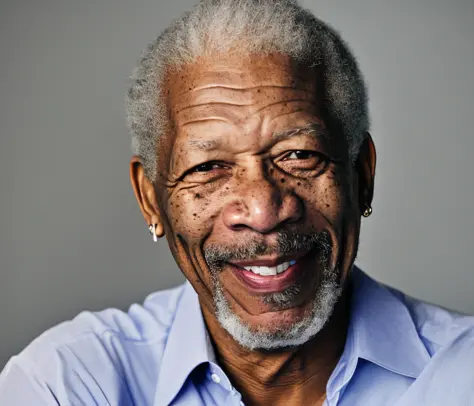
(21,386)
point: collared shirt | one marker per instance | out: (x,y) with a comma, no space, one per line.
(399,351)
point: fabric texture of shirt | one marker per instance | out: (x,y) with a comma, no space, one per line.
(399,351)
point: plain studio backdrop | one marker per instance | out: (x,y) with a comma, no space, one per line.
(72,237)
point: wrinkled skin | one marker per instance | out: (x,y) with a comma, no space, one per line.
(225,178)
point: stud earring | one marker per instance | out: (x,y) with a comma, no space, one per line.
(152,228)
(367,211)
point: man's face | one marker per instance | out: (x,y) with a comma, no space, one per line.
(259,201)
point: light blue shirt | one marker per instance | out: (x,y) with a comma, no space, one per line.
(399,351)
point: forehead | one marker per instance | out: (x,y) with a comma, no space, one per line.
(215,94)
(236,72)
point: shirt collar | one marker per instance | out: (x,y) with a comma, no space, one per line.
(188,345)
(381,329)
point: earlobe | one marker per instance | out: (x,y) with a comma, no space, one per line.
(145,194)
(157,230)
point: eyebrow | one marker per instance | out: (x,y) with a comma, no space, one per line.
(313,128)
(205,145)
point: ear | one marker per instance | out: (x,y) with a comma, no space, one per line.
(145,194)
(365,167)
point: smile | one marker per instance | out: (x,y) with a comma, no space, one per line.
(267,275)
(270,270)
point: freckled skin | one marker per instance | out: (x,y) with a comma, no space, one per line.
(226,110)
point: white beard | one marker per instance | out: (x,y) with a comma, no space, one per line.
(292,336)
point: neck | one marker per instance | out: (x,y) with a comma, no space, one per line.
(288,376)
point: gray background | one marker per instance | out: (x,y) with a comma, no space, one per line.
(71,235)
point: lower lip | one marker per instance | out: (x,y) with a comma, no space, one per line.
(268,284)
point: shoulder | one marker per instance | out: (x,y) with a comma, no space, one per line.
(446,334)
(439,327)
(97,352)
(142,323)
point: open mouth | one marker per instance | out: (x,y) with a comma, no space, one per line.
(270,275)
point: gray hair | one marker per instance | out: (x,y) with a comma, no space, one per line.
(246,27)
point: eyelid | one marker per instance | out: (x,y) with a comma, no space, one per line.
(193,169)
(286,154)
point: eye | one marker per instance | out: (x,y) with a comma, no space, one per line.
(300,154)
(303,162)
(206,172)
(206,167)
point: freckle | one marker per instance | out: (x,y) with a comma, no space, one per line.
(194,214)
(298,183)
(327,205)
(282,180)
(197,196)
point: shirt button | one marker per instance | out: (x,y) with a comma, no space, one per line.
(215,378)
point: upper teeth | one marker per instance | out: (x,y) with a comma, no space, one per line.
(270,270)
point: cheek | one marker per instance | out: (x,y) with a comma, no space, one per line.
(192,214)
(328,196)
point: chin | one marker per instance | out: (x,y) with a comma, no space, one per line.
(284,325)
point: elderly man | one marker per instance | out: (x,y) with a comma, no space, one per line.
(253,157)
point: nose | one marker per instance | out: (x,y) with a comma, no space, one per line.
(262,206)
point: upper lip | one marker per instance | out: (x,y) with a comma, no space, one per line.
(269,261)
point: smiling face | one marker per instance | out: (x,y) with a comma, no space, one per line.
(260,203)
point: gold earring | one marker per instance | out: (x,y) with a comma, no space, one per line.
(367,211)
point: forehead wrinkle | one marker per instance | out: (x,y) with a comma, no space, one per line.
(212,104)
(228,113)
(204,119)
(287,101)
(244,88)
(234,94)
